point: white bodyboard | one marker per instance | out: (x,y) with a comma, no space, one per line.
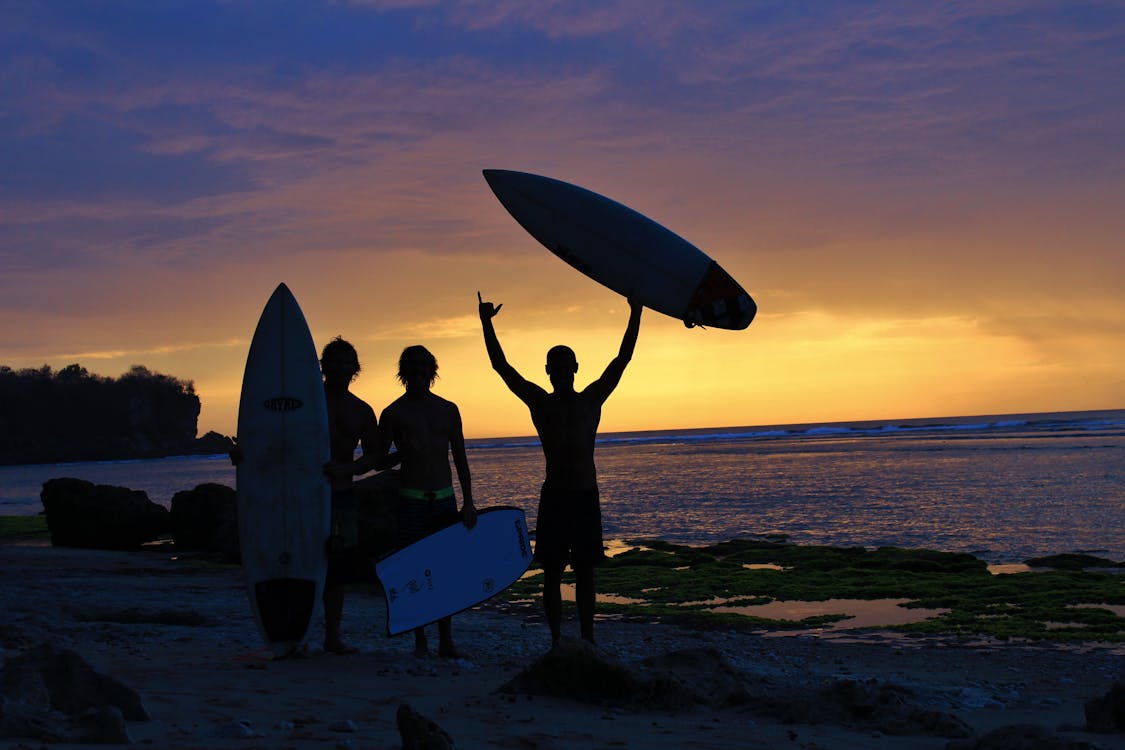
(284,499)
(454,568)
(624,250)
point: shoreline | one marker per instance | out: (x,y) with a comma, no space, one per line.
(205,682)
(766,585)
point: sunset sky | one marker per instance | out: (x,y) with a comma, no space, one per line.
(926,199)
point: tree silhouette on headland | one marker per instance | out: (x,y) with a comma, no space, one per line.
(75,415)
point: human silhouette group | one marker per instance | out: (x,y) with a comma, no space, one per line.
(420,431)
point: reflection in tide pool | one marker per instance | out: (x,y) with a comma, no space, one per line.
(857,613)
(860,613)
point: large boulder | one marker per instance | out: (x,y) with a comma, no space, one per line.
(419,733)
(579,671)
(52,694)
(205,519)
(678,681)
(101,516)
(1107,714)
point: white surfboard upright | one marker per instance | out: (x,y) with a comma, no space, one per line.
(284,499)
(624,250)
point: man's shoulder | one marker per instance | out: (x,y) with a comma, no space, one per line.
(352,398)
(357,403)
(395,406)
(443,402)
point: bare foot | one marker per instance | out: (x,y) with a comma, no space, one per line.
(337,646)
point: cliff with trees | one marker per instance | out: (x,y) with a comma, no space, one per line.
(74,415)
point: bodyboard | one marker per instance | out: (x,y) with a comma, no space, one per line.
(454,568)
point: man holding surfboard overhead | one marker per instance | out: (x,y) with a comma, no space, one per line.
(426,429)
(569,526)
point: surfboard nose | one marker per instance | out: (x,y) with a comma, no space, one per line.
(720,302)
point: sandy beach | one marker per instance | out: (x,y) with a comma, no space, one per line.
(180,634)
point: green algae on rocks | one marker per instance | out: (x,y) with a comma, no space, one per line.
(683,584)
(23,528)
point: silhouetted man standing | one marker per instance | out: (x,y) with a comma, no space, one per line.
(351,423)
(426,429)
(569,526)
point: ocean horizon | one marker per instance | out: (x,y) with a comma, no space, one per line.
(1005,487)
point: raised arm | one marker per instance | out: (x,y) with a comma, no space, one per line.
(605,385)
(516,383)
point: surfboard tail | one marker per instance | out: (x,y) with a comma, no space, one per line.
(285,608)
(720,302)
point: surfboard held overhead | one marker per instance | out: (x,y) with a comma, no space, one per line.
(624,250)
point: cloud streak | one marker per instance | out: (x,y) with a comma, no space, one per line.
(162,169)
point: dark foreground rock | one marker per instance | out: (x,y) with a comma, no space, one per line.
(101,516)
(1107,714)
(685,679)
(419,733)
(678,681)
(53,695)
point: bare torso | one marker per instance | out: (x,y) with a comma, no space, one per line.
(567,424)
(421,427)
(350,422)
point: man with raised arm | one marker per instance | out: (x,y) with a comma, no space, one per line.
(569,526)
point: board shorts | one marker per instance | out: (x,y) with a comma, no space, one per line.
(422,512)
(346,562)
(569,527)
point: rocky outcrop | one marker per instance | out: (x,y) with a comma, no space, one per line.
(74,415)
(101,516)
(212,444)
(52,694)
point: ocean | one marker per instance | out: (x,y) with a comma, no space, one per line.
(1005,488)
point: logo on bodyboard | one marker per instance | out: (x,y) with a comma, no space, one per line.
(283,403)
(521,538)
